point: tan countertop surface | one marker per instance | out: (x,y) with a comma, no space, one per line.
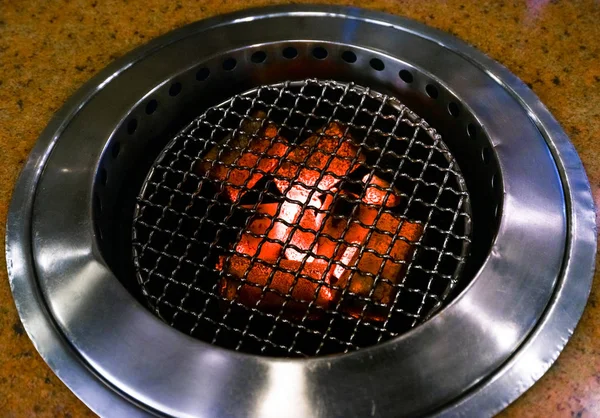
(48,49)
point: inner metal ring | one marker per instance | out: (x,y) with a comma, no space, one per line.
(189,225)
(506,326)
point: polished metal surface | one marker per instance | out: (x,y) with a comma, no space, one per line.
(478,354)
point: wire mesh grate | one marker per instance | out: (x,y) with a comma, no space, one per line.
(301,219)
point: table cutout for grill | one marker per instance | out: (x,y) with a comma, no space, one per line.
(189,222)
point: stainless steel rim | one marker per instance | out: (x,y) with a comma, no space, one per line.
(113,377)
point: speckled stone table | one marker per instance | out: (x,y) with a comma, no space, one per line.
(48,49)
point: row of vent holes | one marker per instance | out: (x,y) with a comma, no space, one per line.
(430,89)
(378,65)
(319,53)
(291,53)
(454,110)
(495,186)
(132,124)
(350,57)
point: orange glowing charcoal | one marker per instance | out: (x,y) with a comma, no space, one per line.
(311,218)
(281,221)
(237,145)
(328,242)
(245,152)
(355,246)
(304,240)
(285,216)
(380,240)
(249,243)
(241,176)
(250,291)
(375,195)
(317,150)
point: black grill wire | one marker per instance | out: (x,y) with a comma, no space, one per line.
(182,222)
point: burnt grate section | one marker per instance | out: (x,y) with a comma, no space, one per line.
(301,219)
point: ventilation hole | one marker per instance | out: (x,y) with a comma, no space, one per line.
(496,210)
(377,64)
(151,107)
(116,148)
(406,76)
(103,176)
(131,126)
(175,89)
(485,155)
(471,130)
(290,52)
(258,57)
(202,74)
(100,238)
(349,56)
(493,181)
(320,53)
(98,203)
(432,91)
(453,109)
(229,64)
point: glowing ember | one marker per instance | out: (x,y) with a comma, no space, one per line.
(294,254)
(244,154)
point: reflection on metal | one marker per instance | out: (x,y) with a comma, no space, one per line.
(316,237)
(530,288)
(286,393)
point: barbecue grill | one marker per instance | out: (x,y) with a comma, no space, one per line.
(323,207)
(330,285)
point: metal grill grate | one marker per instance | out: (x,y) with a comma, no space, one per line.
(302,219)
